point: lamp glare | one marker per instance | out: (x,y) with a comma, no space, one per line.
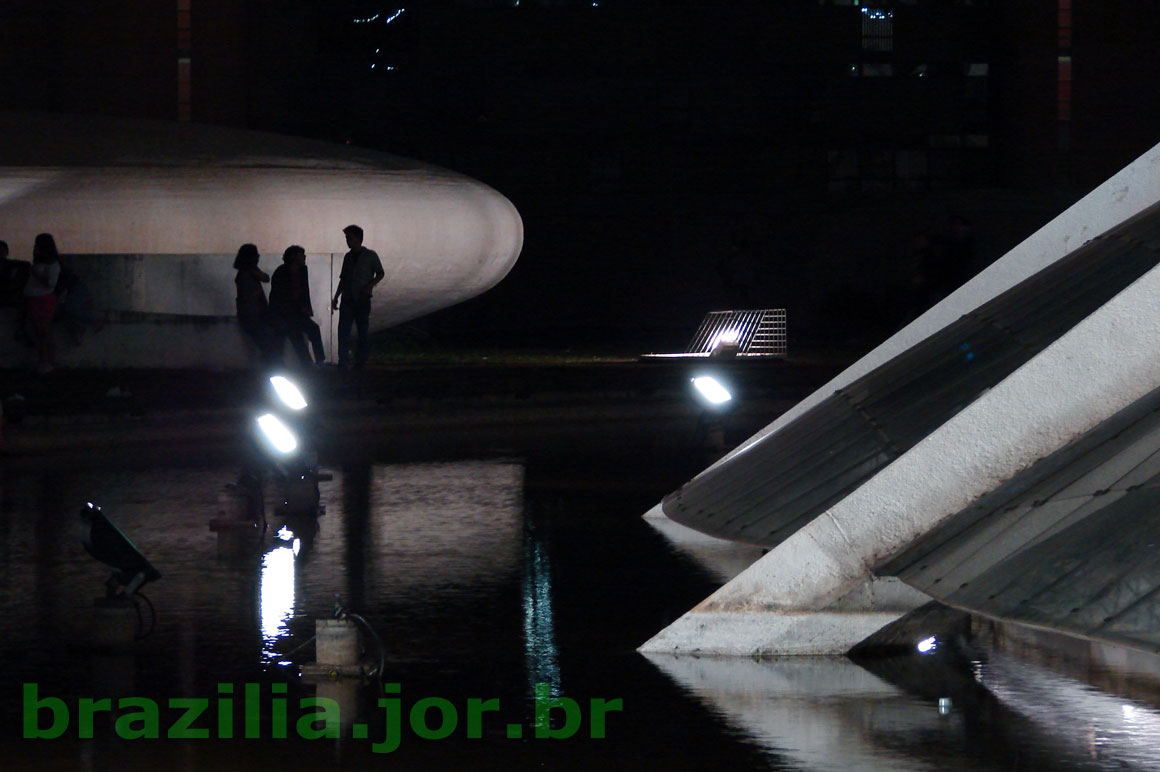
(712,390)
(278,434)
(290,394)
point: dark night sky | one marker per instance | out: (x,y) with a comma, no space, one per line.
(667,158)
(673,158)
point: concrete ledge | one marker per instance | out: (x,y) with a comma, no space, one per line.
(755,632)
(748,682)
(767,633)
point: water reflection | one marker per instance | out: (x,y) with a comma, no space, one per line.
(483,578)
(439,526)
(276,600)
(921,713)
(394,538)
(818,713)
(1109,728)
(539,624)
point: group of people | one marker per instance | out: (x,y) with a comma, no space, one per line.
(47,291)
(288,312)
(43,292)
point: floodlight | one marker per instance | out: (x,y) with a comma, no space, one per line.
(711,390)
(725,344)
(288,392)
(927,645)
(725,336)
(105,542)
(277,434)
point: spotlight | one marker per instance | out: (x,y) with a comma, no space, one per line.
(105,542)
(283,434)
(283,418)
(711,390)
(277,434)
(927,645)
(288,392)
(725,345)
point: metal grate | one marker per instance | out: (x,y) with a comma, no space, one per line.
(758,332)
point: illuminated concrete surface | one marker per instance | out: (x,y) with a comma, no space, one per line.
(154,213)
(831,631)
(1100,366)
(1067,545)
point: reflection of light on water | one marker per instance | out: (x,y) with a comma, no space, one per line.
(276,600)
(812,713)
(442,527)
(1115,731)
(285,534)
(539,626)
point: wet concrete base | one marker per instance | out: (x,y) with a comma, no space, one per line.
(767,633)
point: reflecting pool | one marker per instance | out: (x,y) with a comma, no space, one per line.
(507,594)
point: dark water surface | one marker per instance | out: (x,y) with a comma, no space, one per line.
(483,577)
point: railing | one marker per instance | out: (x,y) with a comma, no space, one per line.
(758,332)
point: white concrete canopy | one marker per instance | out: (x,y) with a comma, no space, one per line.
(167,205)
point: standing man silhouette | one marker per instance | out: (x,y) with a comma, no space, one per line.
(361,271)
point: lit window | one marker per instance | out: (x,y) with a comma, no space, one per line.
(877,29)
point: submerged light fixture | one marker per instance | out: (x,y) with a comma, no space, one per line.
(927,645)
(105,542)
